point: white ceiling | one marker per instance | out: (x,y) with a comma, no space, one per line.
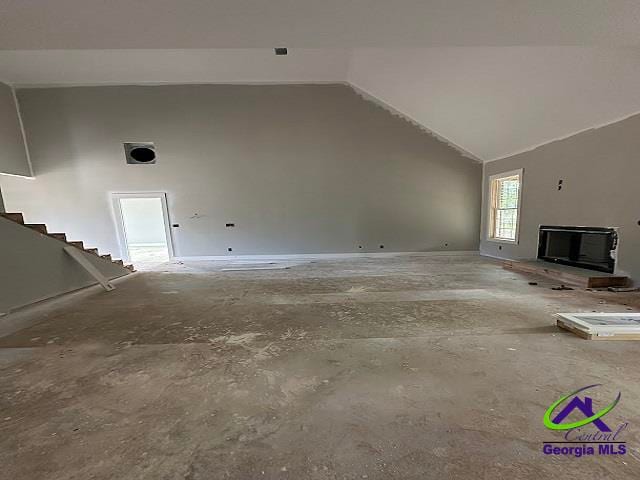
(494,102)
(493,77)
(100,24)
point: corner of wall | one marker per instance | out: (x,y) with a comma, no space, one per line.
(483,204)
(22,130)
(15,158)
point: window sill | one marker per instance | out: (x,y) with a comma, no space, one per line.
(503,240)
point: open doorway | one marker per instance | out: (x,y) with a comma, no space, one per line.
(142,224)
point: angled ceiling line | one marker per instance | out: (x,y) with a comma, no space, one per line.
(563,137)
(394,111)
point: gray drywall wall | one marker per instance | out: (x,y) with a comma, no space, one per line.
(13,157)
(36,267)
(600,170)
(297,168)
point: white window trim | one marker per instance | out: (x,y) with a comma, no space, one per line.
(492,179)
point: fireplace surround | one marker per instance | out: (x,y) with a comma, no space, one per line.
(592,248)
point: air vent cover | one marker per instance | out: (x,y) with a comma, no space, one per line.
(140,153)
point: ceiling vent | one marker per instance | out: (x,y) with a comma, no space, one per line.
(281,51)
(140,153)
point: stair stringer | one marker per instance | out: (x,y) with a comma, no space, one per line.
(35,267)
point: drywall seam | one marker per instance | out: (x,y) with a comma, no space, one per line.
(22,130)
(394,111)
(564,137)
(323,256)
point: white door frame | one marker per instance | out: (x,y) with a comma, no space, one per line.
(119,220)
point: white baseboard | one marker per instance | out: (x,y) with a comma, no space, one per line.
(322,256)
(494,256)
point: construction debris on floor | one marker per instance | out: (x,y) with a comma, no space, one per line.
(405,368)
(244,266)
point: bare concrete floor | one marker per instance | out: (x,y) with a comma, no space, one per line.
(405,368)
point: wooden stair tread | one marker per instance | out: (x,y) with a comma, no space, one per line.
(567,274)
(14,217)
(58,236)
(38,227)
(42,228)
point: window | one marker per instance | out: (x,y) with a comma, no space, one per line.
(506,189)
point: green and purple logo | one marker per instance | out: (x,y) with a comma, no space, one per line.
(582,440)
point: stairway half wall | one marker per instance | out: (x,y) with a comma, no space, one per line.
(35,267)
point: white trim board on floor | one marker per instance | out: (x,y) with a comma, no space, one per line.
(323,256)
(604,324)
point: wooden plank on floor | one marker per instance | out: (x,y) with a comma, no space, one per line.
(566,274)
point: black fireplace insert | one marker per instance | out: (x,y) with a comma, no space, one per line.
(585,247)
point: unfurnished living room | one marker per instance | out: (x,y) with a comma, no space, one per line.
(326,240)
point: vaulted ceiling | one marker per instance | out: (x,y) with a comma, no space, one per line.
(493,77)
(494,102)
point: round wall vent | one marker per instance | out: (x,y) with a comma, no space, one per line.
(140,153)
(143,154)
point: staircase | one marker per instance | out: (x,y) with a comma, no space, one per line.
(62,237)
